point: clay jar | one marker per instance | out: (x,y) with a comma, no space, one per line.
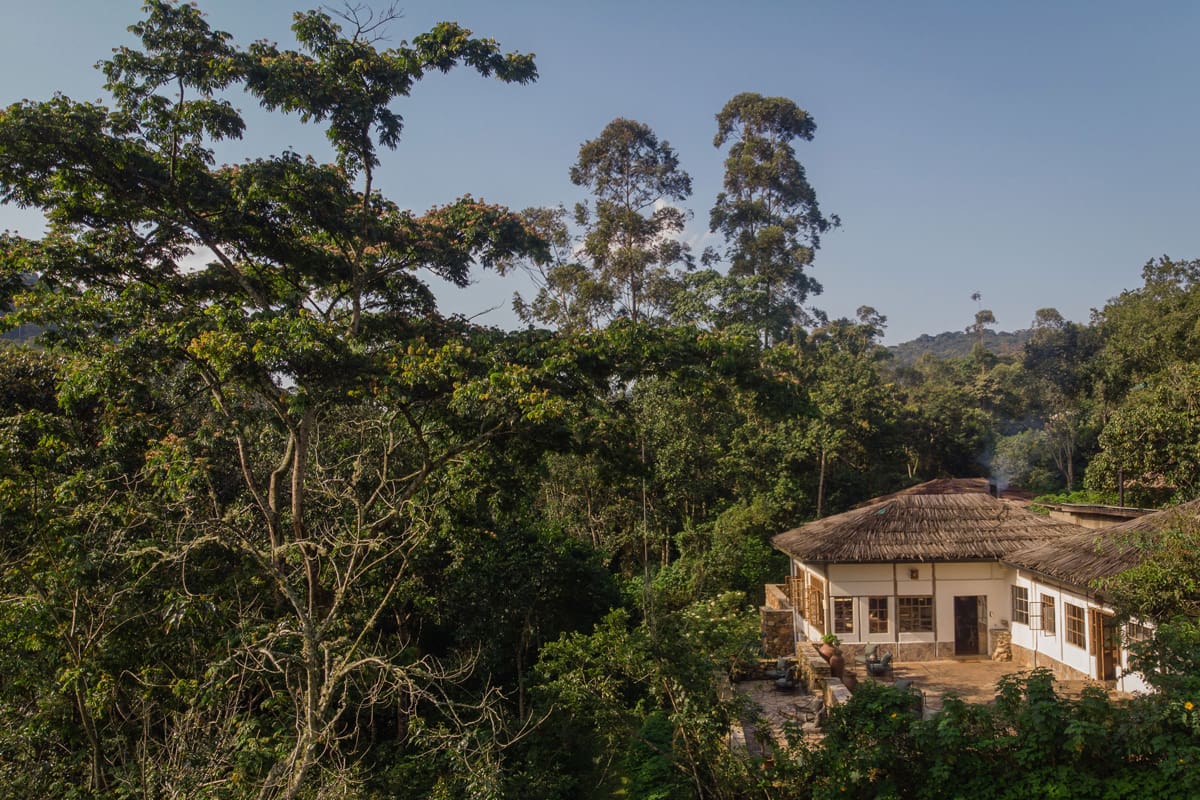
(850,679)
(837,664)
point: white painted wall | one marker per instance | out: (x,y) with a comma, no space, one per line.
(968,579)
(1055,645)
(961,579)
(1128,681)
(944,581)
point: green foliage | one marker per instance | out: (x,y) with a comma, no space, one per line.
(957,344)
(256,447)
(626,265)
(1165,583)
(649,766)
(630,233)
(767,212)
(1024,459)
(274,528)
(1149,444)
(1031,743)
(1168,659)
(1146,330)
(1079,496)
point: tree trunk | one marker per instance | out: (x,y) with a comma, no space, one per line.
(821,485)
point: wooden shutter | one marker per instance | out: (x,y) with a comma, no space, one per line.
(795,592)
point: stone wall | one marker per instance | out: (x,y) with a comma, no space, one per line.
(778,638)
(814,668)
(776,596)
(836,693)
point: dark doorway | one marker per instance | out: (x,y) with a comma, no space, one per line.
(969,616)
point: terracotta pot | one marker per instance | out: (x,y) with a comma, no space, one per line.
(850,678)
(837,664)
(826,650)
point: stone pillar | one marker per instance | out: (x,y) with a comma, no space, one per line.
(1001,644)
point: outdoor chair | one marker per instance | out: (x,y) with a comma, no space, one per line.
(781,669)
(881,668)
(789,681)
(869,655)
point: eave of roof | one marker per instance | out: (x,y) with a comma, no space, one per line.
(941,520)
(1096,554)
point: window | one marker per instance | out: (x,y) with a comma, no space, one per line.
(877,614)
(843,615)
(1020,605)
(1137,632)
(1048,622)
(914,614)
(1076,628)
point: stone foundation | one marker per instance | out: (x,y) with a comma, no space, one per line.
(1028,659)
(919,651)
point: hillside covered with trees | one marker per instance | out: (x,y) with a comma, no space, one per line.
(958,344)
(277,528)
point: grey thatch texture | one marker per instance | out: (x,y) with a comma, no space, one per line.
(1094,554)
(942,520)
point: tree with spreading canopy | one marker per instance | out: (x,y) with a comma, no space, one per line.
(291,410)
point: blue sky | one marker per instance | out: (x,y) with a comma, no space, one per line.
(1036,153)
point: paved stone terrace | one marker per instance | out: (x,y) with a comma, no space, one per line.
(973,680)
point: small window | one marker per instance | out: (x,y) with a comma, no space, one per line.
(1020,605)
(914,614)
(877,613)
(843,615)
(1137,632)
(1076,627)
(1048,621)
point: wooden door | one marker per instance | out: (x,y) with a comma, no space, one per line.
(966,625)
(1106,644)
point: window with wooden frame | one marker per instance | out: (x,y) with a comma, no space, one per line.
(914,614)
(1020,605)
(1137,631)
(877,615)
(1076,627)
(1048,620)
(843,615)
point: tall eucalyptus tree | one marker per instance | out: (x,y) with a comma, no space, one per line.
(767,212)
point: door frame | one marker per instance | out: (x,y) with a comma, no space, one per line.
(977,607)
(1106,644)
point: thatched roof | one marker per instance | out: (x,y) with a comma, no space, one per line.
(942,520)
(1093,554)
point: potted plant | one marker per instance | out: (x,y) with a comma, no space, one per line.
(829,645)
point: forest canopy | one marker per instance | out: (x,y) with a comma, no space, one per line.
(276,527)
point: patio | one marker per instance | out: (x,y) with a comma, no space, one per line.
(972,680)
